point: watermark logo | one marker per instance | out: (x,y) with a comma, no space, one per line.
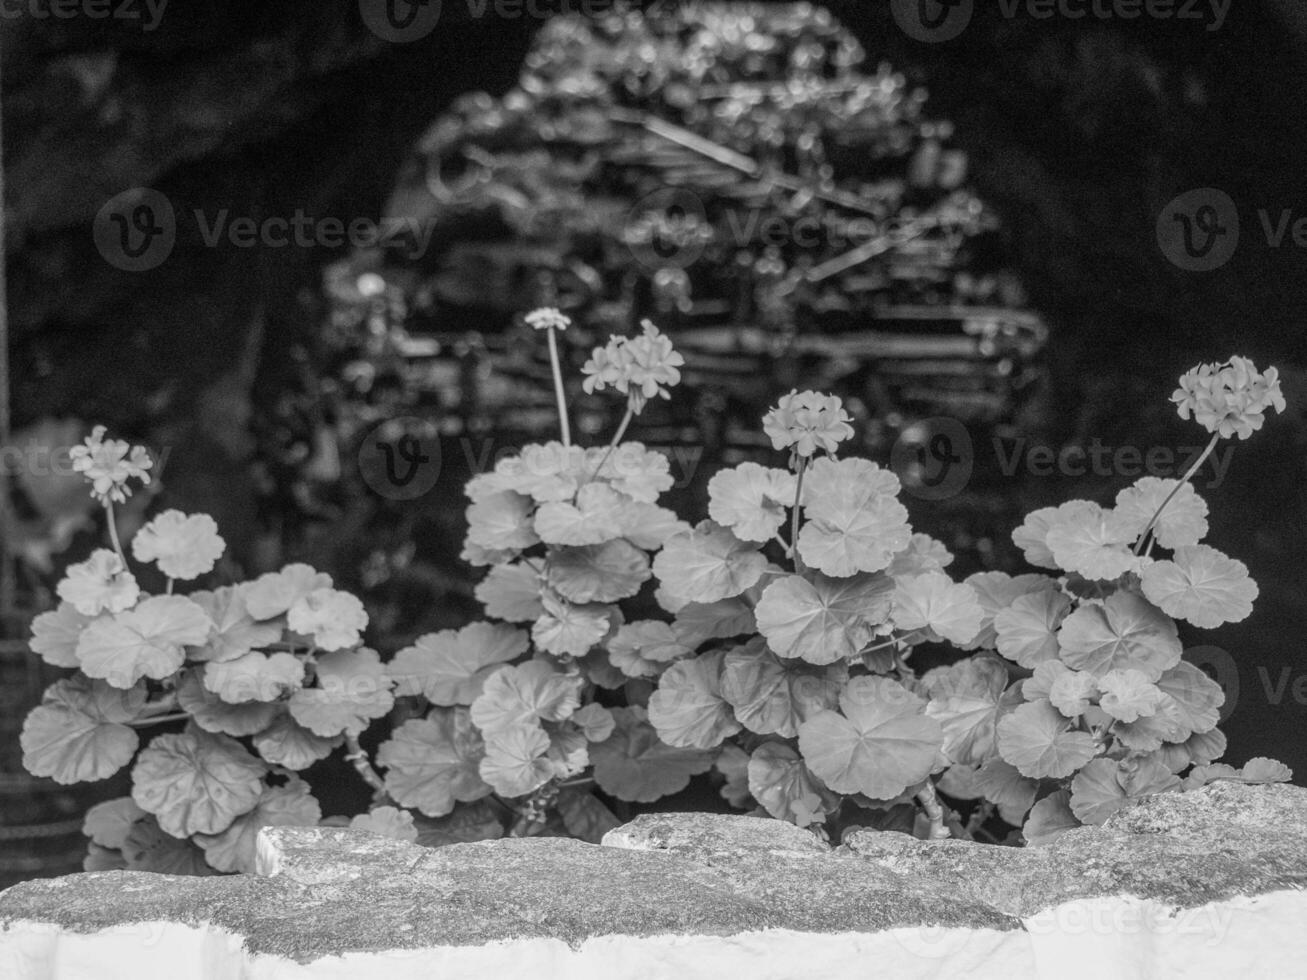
(933,458)
(1198,231)
(1220,667)
(400,458)
(932,21)
(400,21)
(668,228)
(136,230)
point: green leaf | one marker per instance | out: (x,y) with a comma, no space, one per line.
(634,764)
(708,564)
(1037,739)
(1104,786)
(387,821)
(196,783)
(597,573)
(148,640)
(698,622)
(933,602)
(525,695)
(432,763)
(966,699)
(1002,784)
(149,848)
(78,732)
(352,689)
(771,696)
(823,620)
(235,631)
(55,635)
(643,648)
(511,593)
(501,522)
(688,709)
(1124,631)
(855,521)
(515,763)
(213,714)
(1049,819)
(254,677)
(1201,586)
(451,666)
(881,744)
(1197,698)
(109,823)
(1026,631)
(285,743)
(786,788)
(291,805)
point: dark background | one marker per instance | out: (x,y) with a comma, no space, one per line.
(1078,132)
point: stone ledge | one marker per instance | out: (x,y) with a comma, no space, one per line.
(1199,884)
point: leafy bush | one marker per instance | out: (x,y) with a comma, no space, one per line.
(783,659)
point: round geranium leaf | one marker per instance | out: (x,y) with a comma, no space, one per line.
(235,630)
(451,666)
(149,848)
(1106,785)
(752,500)
(291,805)
(1124,631)
(286,743)
(109,823)
(511,593)
(1197,697)
(707,564)
(213,714)
(855,522)
(501,522)
(196,783)
(272,595)
(254,677)
(1001,783)
(1037,739)
(79,732)
(645,647)
(525,695)
(688,710)
(634,764)
(597,573)
(148,640)
(352,689)
(595,517)
(966,699)
(823,620)
(387,821)
(515,762)
(1201,586)
(1184,522)
(55,635)
(995,591)
(432,763)
(572,630)
(786,788)
(772,696)
(881,743)
(934,603)
(1049,819)
(1094,542)
(184,546)
(1026,631)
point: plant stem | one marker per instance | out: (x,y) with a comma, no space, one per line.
(1139,545)
(794,514)
(930,803)
(157,720)
(558,388)
(617,438)
(355,755)
(113,532)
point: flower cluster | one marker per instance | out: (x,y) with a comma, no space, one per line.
(806,422)
(109,464)
(641,367)
(1229,399)
(548,318)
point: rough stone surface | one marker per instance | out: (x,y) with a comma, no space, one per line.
(326,899)
(1181,849)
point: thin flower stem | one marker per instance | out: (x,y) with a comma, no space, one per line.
(794,515)
(893,641)
(558,388)
(617,438)
(113,532)
(1139,545)
(355,755)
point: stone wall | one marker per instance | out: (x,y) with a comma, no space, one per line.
(1205,884)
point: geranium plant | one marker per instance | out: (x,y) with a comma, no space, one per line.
(781,659)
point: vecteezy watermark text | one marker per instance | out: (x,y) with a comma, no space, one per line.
(935,21)
(1098,459)
(136,230)
(148,12)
